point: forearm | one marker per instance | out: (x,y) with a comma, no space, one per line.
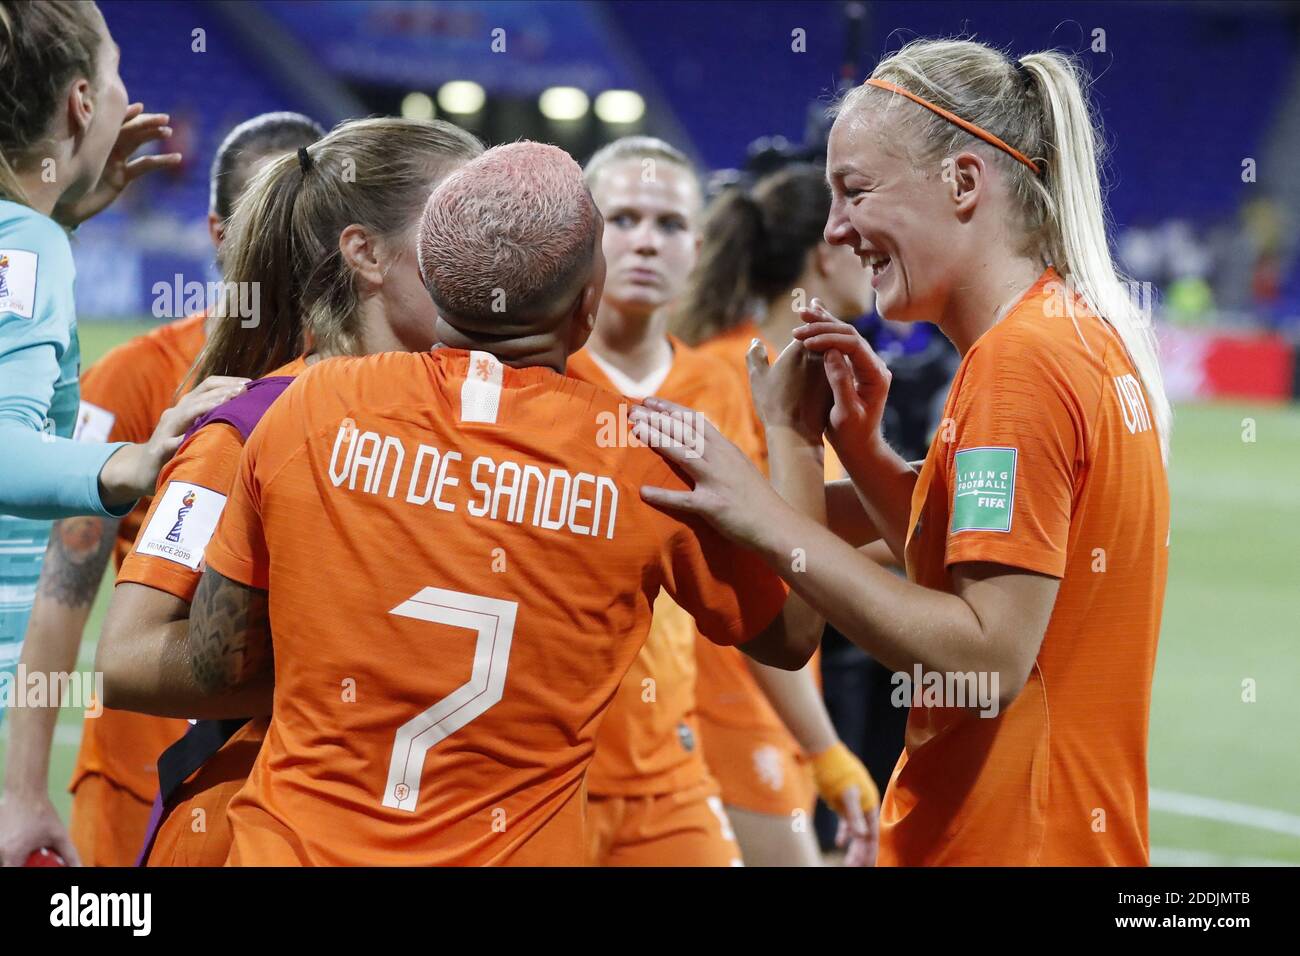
(53,639)
(27,764)
(143,663)
(147,665)
(797,701)
(155,677)
(883,482)
(46,477)
(128,475)
(846,516)
(899,623)
(797,477)
(74,565)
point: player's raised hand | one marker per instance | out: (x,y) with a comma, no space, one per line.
(29,823)
(858,377)
(138,128)
(792,393)
(728,490)
(132,471)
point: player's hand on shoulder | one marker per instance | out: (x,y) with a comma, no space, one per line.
(212,391)
(132,471)
(728,491)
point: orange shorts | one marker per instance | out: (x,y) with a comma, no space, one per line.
(686,828)
(760,771)
(196,830)
(108,822)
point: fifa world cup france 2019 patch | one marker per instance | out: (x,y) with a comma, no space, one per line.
(94,424)
(182,524)
(984,490)
(18,282)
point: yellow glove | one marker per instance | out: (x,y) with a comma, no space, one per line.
(835,770)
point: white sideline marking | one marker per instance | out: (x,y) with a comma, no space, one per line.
(1168,856)
(1242,814)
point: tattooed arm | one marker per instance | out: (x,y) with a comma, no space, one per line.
(229,646)
(74,565)
(163,656)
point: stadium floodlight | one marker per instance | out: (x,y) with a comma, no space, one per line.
(418,106)
(563,103)
(620,106)
(461,96)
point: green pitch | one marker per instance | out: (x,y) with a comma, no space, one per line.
(1225,774)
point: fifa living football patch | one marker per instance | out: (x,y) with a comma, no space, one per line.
(182,524)
(18,282)
(985,489)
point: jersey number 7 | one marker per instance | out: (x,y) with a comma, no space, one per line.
(494,622)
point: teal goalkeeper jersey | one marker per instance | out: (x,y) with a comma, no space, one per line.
(44,474)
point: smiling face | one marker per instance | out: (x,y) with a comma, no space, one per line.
(896,216)
(650,242)
(847,289)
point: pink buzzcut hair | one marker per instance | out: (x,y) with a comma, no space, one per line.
(508,237)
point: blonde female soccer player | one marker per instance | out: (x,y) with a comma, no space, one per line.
(1035,535)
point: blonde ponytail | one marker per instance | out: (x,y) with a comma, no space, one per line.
(282,240)
(1076,233)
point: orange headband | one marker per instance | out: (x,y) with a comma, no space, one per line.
(957,121)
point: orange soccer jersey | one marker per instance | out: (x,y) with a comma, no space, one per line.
(122,397)
(202,471)
(460,571)
(195,828)
(1052,465)
(649,741)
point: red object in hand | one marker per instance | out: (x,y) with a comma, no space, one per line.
(45,857)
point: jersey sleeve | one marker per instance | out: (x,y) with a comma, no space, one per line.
(42,475)
(192,493)
(238,549)
(729,590)
(1020,434)
(117,398)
